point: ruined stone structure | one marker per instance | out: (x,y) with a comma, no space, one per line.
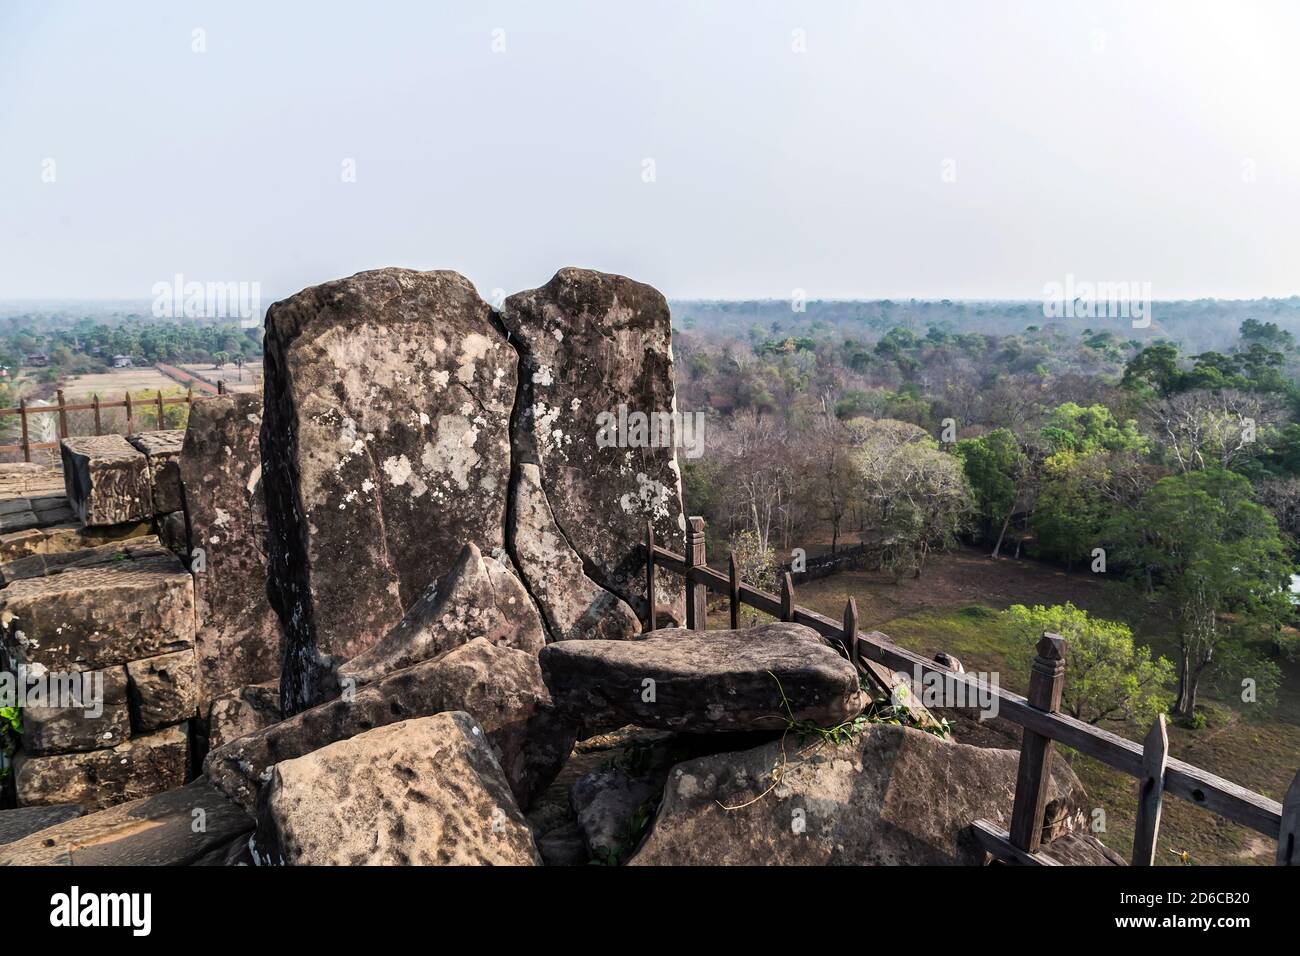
(390,603)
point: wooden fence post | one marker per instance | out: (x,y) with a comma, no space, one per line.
(1034,773)
(162,424)
(22,412)
(650,575)
(697,594)
(1151,791)
(1288,840)
(851,630)
(787,597)
(63,416)
(95,402)
(128,413)
(733,576)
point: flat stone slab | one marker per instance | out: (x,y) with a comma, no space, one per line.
(170,829)
(20,822)
(67,536)
(163,451)
(95,617)
(421,792)
(703,681)
(41,565)
(137,768)
(106,480)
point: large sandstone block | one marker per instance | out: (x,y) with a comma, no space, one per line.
(386,448)
(478,597)
(162,452)
(95,617)
(164,689)
(98,716)
(238,641)
(703,681)
(106,480)
(892,796)
(501,687)
(422,792)
(592,342)
(101,778)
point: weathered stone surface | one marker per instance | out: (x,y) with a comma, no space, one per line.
(478,597)
(20,822)
(243,712)
(575,606)
(162,451)
(152,831)
(500,686)
(423,791)
(386,448)
(106,480)
(238,641)
(95,617)
(62,538)
(893,796)
(703,681)
(139,767)
(607,803)
(40,565)
(591,342)
(164,689)
(100,717)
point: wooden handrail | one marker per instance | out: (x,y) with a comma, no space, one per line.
(1181,779)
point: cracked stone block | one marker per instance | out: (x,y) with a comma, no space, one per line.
(96,718)
(163,451)
(106,480)
(164,689)
(96,617)
(386,449)
(101,778)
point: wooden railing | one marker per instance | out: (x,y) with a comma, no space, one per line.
(1038,714)
(147,408)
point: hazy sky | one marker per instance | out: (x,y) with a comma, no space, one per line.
(1143,141)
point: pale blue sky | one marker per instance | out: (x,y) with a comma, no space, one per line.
(1140,141)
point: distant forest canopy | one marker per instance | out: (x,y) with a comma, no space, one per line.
(80,338)
(1196,325)
(1168,455)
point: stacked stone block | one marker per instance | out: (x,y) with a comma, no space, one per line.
(122,634)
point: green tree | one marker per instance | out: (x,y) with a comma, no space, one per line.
(1107,675)
(995,466)
(1213,551)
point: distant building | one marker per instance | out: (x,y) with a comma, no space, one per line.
(38,359)
(122,361)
